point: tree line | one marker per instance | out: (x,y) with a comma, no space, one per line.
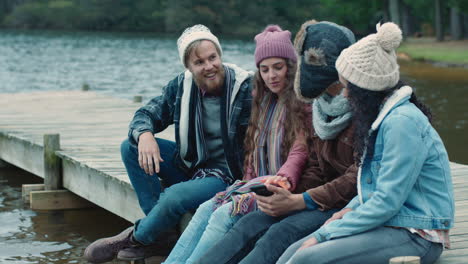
(239,18)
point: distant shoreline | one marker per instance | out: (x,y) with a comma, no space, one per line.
(443,64)
(448,54)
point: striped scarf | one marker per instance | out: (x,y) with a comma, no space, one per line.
(193,152)
(267,154)
(240,196)
(197,100)
(266,158)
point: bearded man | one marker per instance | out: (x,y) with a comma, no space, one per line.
(209,105)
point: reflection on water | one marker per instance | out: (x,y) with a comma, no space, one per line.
(117,64)
(445,90)
(28,236)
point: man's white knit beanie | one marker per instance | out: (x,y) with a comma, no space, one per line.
(371,62)
(194,33)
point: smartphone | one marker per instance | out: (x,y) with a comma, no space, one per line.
(261,190)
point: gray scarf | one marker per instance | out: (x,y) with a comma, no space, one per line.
(330,115)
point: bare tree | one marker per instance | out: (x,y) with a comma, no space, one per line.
(465,25)
(407,20)
(456,24)
(439,26)
(394,10)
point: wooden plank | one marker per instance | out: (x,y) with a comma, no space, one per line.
(92,128)
(22,153)
(452,259)
(456,252)
(114,194)
(26,190)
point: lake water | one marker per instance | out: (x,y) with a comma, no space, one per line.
(42,237)
(124,65)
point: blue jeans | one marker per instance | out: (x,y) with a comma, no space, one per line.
(260,238)
(206,228)
(163,210)
(376,246)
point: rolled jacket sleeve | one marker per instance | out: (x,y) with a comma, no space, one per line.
(294,165)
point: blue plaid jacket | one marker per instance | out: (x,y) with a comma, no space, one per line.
(165,110)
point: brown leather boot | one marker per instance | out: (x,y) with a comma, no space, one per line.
(139,252)
(106,249)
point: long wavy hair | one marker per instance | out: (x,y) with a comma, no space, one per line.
(294,122)
(366,106)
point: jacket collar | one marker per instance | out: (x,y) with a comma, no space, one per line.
(397,98)
(240,76)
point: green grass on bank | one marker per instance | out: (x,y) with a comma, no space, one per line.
(429,49)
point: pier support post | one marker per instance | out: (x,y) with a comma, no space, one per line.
(52,163)
(405,260)
(51,195)
(137,99)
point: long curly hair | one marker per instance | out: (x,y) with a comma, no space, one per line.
(294,122)
(366,105)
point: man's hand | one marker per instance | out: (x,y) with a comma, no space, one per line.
(308,243)
(281,202)
(149,156)
(338,215)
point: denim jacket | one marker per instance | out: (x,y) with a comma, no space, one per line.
(406,183)
(166,110)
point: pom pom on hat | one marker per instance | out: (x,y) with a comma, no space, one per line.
(389,36)
(274,42)
(371,62)
(272,28)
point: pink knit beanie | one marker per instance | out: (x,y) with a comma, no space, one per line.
(274,42)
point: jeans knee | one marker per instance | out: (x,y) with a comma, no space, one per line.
(206,207)
(203,212)
(173,202)
(221,218)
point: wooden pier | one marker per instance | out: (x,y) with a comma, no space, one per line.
(91,128)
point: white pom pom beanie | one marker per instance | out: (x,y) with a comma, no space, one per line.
(371,62)
(192,34)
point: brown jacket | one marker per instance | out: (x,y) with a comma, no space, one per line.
(330,173)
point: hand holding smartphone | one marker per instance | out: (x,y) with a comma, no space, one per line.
(261,190)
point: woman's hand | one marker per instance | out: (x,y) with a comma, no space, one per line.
(308,243)
(282,201)
(338,215)
(278,181)
(149,155)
